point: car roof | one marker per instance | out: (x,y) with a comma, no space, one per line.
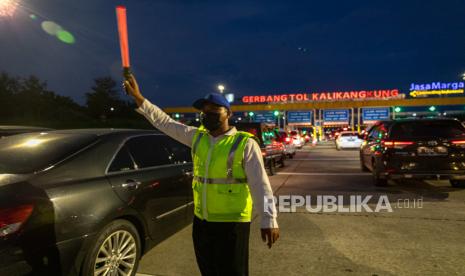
(17,127)
(104,131)
(416,119)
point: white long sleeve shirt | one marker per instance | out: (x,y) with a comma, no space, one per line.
(257,178)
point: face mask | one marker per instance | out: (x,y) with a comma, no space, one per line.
(211,120)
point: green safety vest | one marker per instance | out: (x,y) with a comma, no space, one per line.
(221,192)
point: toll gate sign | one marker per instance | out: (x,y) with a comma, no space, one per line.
(372,115)
(264,117)
(299,117)
(335,116)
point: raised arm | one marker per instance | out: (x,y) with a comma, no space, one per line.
(157,117)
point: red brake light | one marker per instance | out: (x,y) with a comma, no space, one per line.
(11,219)
(458,142)
(396,144)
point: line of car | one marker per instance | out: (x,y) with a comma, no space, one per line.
(89,201)
(277,145)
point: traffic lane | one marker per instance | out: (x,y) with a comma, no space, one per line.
(333,244)
(324,158)
(405,241)
(337,244)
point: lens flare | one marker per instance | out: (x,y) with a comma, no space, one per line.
(66,37)
(51,27)
(8,7)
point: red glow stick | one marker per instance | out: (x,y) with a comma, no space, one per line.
(123,36)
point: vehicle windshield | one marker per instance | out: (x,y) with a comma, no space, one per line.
(31,152)
(427,129)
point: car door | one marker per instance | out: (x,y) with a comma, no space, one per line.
(367,147)
(151,184)
(180,155)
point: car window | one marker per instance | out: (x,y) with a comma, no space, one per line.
(427,129)
(373,134)
(31,152)
(122,161)
(178,153)
(149,151)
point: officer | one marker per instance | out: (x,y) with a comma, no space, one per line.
(228,174)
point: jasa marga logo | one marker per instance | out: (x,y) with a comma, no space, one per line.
(437,85)
(436,88)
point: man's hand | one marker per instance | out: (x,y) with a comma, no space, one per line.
(131,86)
(270,234)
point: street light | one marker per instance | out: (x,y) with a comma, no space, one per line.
(432,108)
(397,109)
(221,88)
(276,113)
(177,115)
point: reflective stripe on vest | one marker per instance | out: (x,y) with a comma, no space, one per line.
(220,180)
(229,168)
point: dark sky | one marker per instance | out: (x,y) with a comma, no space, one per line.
(181,50)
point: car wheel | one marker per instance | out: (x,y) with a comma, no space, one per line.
(116,251)
(271,167)
(377,180)
(457,183)
(362,166)
(282,161)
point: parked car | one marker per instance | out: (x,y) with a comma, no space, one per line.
(7,130)
(348,140)
(272,150)
(89,201)
(289,147)
(415,149)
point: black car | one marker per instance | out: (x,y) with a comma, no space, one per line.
(82,202)
(426,148)
(7,130)
(272,150)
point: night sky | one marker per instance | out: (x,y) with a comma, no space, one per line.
(181,50)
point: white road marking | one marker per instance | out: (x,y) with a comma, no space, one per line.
(323,173)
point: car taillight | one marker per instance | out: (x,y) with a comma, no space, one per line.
(460,143)
(396,144)
(11,219)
